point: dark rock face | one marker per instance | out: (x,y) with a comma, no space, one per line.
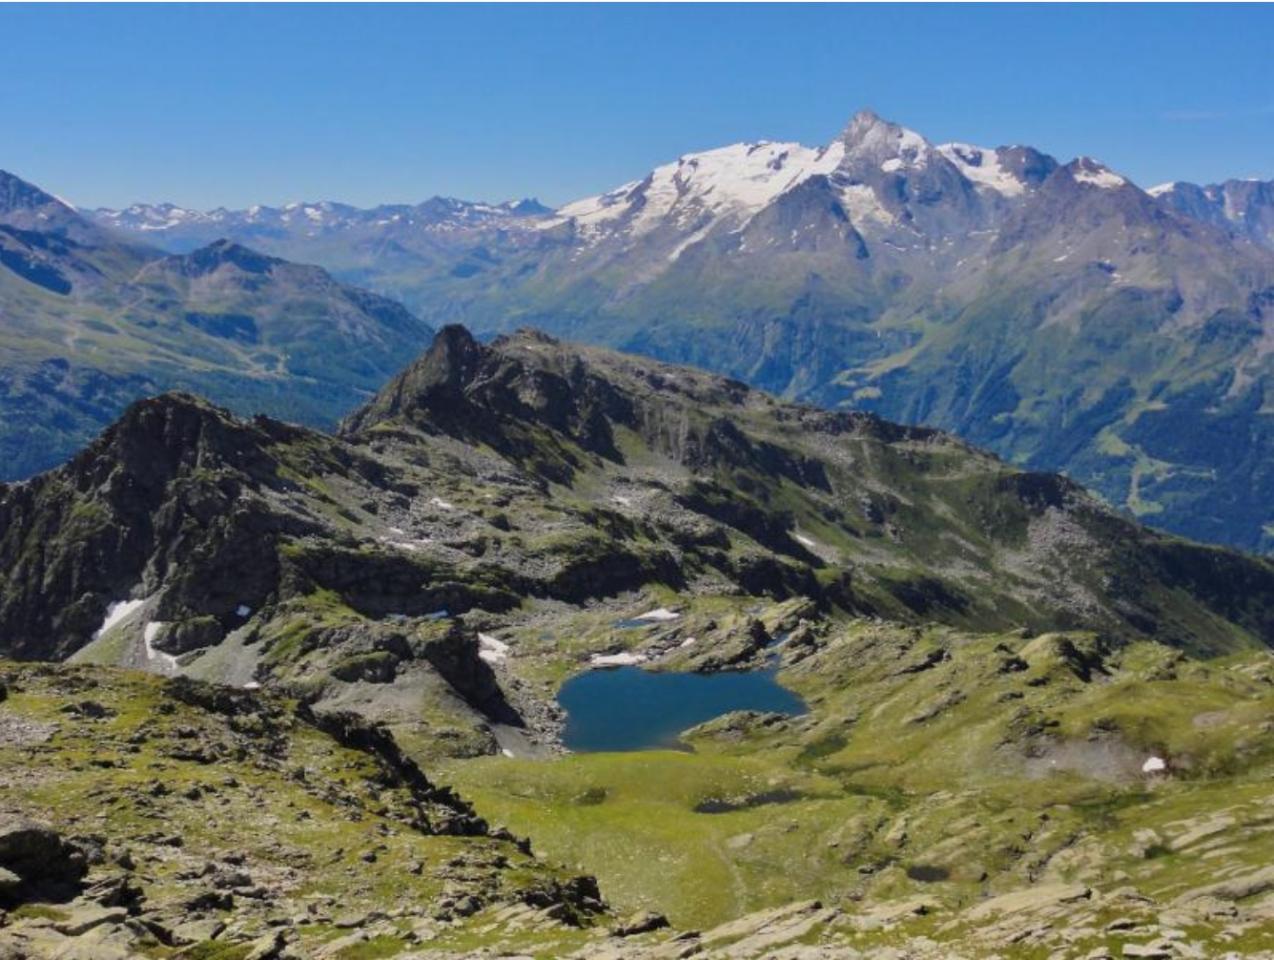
(1245,207)
(486,475)
(166,485)
(484,395)
(42,861)
(222,253)
(451,815)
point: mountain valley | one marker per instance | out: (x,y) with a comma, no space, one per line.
(90,321)
(275,692)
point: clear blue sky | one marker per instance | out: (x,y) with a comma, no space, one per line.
(208,105)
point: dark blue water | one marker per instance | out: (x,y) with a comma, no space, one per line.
(628,708)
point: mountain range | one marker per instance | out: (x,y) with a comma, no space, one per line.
(92,320)
(1030,725)
(1055,313)
(316,630)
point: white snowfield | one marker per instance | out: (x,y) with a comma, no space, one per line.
(734,181)
(983,167)
(1093,173)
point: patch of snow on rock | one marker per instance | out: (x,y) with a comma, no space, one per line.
(492,650)
(617,659)
(166,660)
(660,615)
(117,613)
(1094,174)
(983,167)
(1154,765)
(861,202)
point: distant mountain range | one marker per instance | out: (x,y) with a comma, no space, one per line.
(1054,312)
(92,320)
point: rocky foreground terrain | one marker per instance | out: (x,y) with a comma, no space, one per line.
(278,693)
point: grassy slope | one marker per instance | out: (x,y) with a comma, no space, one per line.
(1029,775)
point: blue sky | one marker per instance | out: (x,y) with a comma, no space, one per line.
(209,105)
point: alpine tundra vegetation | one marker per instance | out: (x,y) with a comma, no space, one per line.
(277,692)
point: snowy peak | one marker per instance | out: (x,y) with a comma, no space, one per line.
(1089,172)
(439,213)
(1244,208)
(1008,171)
(870,139)
(733,182)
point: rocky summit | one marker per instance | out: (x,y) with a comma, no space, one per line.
(275,692)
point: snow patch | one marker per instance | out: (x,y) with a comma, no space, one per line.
(442,504)
(149,633)
(411,546)
(243,610)
(252,685)
(1154,765)
(617,659)
(492,650)
(659,615)
(1094,174)
(117,613)
(861,202)
(983,167)
(804,540)
(1160,189)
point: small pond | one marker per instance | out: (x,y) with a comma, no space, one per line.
(633,709)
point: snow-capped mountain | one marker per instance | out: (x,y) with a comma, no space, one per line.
(181,229)
(1053,311)
(1244,207)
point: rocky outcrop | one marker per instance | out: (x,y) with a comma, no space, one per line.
(37,861)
